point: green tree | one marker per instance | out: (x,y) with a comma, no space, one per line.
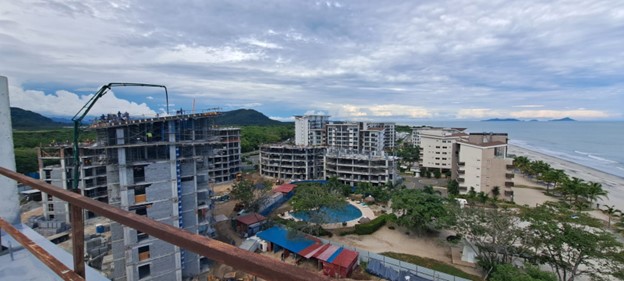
(420,211)
(553,177)
(243,192)
(453,187)
(495,192)
(522,163)
(409,153)
(508,272)
(572,244)
(495,234)
(594,192)
(472,194)
(539,168)
(482,197)
(611,211)
(316,200)
(437,174)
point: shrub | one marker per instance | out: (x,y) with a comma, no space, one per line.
(372,226)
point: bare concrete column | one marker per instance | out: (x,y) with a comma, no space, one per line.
(9,201)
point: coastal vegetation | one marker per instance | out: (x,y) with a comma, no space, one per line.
(574,191)
(421,211)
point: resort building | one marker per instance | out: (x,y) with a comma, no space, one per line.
(389,132)
(345,135)
(417,130)
(157,167)
(291,162)
(482,164)
(352,168)
(310,129)
(437,147)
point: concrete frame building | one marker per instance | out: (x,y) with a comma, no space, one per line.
(437,147)
(58,172)
(310,129)
(157,167)
(352,168)
(290,162)
(482,164)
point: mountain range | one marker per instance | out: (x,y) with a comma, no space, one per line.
(28,120)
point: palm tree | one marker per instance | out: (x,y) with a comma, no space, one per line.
(495,192)
(573,189)
(611,210)
(595,191)
(521,162)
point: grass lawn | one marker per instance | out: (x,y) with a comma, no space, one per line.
(432,264)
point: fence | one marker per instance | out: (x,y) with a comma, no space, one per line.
(400,268)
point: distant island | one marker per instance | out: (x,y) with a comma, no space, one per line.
(501,120)
(563,119)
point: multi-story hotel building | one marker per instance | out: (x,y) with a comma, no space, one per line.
(437,148)
(310,129)
(482,164)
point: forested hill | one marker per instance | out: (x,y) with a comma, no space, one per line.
(27,120)
(245,117)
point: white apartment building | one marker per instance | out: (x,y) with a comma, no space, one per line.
(344,135)
(310,129)
(417,130)
(437,147)
(372,140)
(482,164)
(389,130)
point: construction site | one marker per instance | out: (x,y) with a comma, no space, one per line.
(161,168)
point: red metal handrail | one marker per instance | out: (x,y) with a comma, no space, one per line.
(258,265)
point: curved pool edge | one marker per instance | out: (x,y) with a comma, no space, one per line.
(365,210)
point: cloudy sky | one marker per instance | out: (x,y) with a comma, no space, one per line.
(402,60)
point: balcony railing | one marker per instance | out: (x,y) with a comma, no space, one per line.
(258,265)
(509,184)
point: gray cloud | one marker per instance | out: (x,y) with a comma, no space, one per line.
(425,59)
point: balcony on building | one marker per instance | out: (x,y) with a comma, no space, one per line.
(509,184)
(509,175)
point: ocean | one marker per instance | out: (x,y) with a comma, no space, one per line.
(598,145)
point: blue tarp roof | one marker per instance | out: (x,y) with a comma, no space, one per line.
(279,236)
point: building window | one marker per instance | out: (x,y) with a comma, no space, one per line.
(144,271)
(141,211)
(141,236)
(144,253)
(138,173)
(50,197)
(51,207)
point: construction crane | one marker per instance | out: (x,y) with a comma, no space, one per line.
(82,113)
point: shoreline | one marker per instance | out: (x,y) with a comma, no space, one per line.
(613,184)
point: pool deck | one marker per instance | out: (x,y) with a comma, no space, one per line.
(366,212)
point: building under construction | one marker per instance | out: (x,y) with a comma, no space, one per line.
(353,168)
(291,162)
(157,167)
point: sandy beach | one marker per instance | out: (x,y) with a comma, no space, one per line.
(612,184)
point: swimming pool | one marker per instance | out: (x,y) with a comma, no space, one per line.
(347,213)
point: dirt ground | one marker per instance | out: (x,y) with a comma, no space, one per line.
(388,240)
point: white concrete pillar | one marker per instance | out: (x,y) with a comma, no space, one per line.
(9,201)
